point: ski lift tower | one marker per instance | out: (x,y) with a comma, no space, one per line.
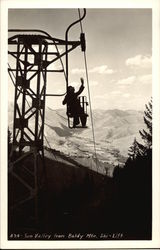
(32,50)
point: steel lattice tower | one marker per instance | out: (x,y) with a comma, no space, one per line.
(31,67)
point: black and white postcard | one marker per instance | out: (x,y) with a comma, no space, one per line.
(80,124)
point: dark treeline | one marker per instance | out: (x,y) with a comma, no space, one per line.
(133,199)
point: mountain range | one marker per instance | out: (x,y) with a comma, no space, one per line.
(114,132)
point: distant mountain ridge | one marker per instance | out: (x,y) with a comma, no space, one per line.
(114,131)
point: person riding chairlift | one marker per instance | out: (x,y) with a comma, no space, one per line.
(71,99)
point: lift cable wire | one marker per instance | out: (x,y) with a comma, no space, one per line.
(31,110)
(87,77)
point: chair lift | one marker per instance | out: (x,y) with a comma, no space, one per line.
(83,115)
(82,99)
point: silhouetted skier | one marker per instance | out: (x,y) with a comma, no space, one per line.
(71,99)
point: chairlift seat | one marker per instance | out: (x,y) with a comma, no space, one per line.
(83,114)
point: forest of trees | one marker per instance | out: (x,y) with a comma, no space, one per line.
(134,183)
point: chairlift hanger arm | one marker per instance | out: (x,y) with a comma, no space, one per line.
(66,38)
(72,24)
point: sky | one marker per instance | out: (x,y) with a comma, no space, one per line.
(118,51)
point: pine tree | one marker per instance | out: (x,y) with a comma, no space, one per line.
(133,151)
(138,149)
(146,135)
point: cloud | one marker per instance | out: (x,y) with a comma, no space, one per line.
(127,81)
(77,71)
(139,61)
(145,79)
(103,69)
(126,95)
